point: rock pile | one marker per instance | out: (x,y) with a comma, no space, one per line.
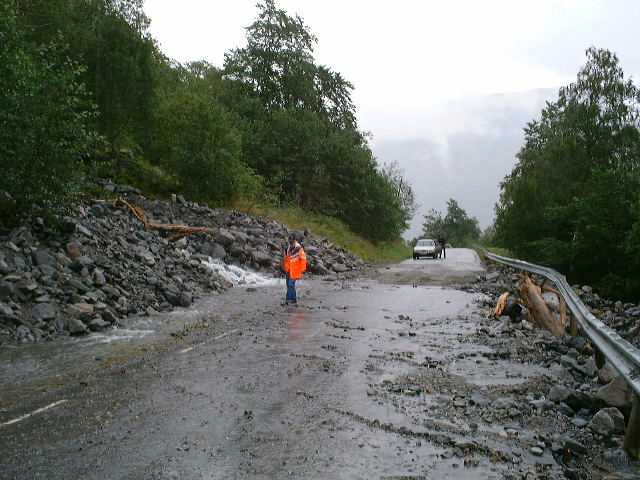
(101,265)
(587,405)
(620,316)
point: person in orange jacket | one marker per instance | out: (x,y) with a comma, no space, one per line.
(294,265)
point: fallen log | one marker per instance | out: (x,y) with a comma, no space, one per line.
(177,231)
(540,315)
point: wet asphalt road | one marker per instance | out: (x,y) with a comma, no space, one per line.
(241,387)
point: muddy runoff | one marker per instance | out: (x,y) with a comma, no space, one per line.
(363,380)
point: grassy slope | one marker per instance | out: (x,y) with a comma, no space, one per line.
(333,229)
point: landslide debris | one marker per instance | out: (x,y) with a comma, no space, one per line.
(101,265)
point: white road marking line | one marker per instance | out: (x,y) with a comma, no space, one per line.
(35,412)
(222,335)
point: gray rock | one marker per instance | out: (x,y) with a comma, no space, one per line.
(43,257)
(224,237)
(602,423)
(43,312)
(4,267)
(580,422)
(178,299)
(98,324)
(82,311)
(236,250)
(80,263)
(213,250)
(75,326)
(606,373)
(48,271)
(185,299)
(109,316)
(24,335)
(490,277)
(573,445)
(78,285)
(7,290)
(83,230)
(99,278)
(537,451)
(74,250)
(6,311)
(503,403)
(617,417)
(339,267)
(582,400)
(146,256)
(615,394)
(565,409)
(588,368)
(479,400)
(262,258)
(559,393)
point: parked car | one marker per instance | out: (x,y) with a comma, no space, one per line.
(426,247)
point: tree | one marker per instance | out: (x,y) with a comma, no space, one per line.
(569,200)
(44,118)
(456,227)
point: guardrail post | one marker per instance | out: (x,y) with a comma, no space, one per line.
(632,435)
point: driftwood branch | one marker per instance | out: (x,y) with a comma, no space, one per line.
(540,314)
(177,231)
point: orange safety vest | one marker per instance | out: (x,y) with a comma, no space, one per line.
(295,261)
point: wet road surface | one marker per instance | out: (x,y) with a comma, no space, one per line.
(362,380)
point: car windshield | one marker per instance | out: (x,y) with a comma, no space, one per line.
(425,243)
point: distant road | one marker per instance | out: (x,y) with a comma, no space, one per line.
(461,264)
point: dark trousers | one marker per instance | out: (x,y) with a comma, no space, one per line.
(291,290)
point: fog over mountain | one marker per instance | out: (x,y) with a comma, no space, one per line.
(461,149)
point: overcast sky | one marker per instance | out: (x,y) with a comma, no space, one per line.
(442,86)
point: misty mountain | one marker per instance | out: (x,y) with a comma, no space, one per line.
(462,149)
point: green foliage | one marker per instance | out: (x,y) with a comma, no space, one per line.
(571,200)
(301,133)
(272,126)
(456,227)
(43,122)
(108,38)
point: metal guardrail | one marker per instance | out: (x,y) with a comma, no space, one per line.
(623,356)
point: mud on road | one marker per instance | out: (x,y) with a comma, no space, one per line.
(366,379)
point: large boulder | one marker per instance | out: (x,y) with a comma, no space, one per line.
(213,250)
(43,257)
(607,422)
(224,237)
(43,312)
(262,258)
(75,326)
(615,394)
